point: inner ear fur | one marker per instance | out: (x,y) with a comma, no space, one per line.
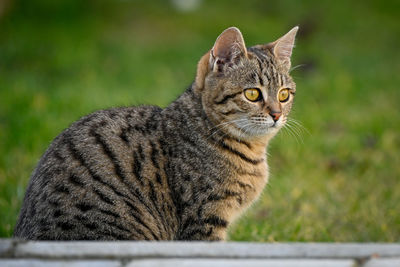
(228,47)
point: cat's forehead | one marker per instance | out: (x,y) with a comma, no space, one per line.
(262,66)
(263,57)
(259,68)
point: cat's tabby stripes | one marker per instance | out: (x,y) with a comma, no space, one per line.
(184,172)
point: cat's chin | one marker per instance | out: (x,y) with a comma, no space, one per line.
(257,128)
(268,131)
(256,131)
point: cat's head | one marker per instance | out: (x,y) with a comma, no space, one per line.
(247,92)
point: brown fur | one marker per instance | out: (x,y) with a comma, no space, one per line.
(180,173)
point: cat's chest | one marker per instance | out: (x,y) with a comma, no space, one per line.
(249,169)
(247,165)
(241,186)
(251,180)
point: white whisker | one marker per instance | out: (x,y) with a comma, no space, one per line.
(223,125)
(296,67)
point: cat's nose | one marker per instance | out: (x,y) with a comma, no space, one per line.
(275,115)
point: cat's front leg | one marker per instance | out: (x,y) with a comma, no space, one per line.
(206,234)
(208,228)
(218,234)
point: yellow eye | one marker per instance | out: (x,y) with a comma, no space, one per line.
(283,95)
(252,94)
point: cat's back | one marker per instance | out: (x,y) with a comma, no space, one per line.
(98,180)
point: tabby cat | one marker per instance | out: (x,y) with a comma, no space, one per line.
(184,172)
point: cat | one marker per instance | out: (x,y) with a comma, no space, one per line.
(184,172)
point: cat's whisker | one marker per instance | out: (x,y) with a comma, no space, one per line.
(224,125)
(218,131)
(292,128)
(220,127)
(298,128)
(287,132)
(243,128)
(296,67)
(228,122)
(241,131)
(247,129)
(299,125)
(290,131)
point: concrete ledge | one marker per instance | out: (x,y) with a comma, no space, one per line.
(86,253)
(241,263)
(60,263)
(383,262)
(6,246)
(202,249)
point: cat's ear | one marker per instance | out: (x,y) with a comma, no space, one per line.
(283,47)
(228,48)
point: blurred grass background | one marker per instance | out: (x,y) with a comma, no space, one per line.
(60,60)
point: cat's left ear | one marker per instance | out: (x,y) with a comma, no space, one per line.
(283,47)
(228,48)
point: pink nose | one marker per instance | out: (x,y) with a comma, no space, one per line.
(275,115)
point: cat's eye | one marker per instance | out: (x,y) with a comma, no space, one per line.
(283,95)
(252,94)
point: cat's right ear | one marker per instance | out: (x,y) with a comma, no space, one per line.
(282,48)
(228,48)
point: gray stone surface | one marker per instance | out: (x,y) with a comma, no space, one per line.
(204,249)
(47,263)
(5,246)
(196,262)
(220,254)
(378,262)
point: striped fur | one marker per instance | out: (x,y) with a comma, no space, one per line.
(184,172)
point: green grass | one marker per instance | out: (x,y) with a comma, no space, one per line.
(60,60)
